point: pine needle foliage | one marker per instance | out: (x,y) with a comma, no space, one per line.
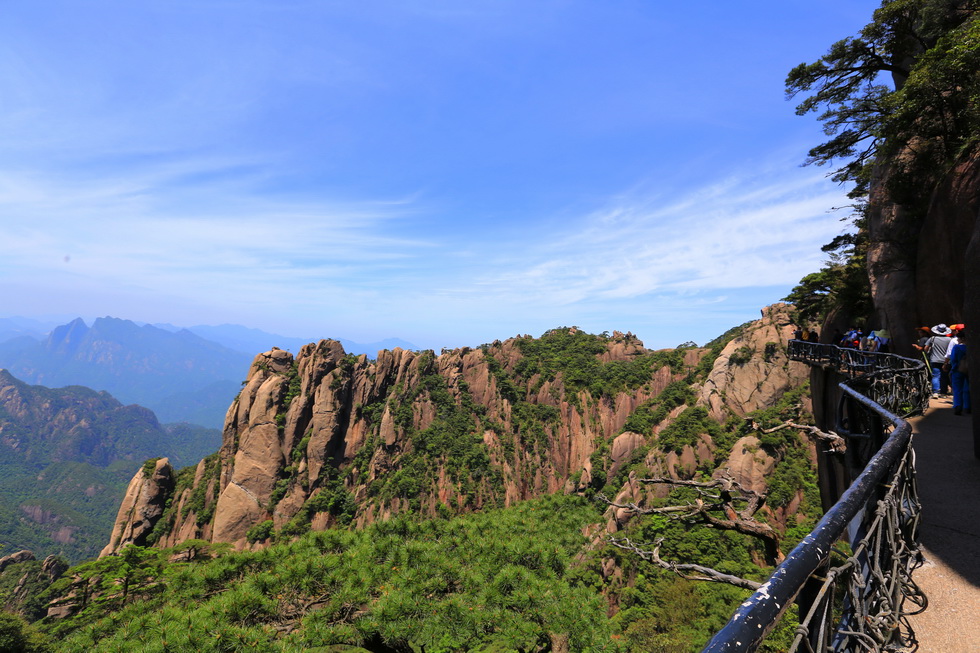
(901,137)
(575,355)
(499,580)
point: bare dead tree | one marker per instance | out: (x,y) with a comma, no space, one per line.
(689,571)
(835,443)
(721,503)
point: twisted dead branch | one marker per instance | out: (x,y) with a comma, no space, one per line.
(688,571)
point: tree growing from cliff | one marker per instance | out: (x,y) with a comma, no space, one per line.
(918,123)
(861,114)
(842,281)
(723,504)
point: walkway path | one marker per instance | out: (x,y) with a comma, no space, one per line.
(949,488)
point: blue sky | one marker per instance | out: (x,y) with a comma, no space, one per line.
(445,172)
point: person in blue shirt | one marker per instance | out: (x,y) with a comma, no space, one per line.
(959,376)
(852,338)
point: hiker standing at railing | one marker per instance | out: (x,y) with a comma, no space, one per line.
(936,348)
(852,339)
(870,343)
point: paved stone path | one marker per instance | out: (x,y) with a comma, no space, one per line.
(949,488)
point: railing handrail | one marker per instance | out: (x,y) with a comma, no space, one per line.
(756,616)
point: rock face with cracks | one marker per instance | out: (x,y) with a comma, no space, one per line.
(143,505)
(753,370)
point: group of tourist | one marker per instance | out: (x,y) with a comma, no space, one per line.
(944,349)
(810,335)
(855,338)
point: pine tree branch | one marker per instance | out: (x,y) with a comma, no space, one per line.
(639,510)
(730,491)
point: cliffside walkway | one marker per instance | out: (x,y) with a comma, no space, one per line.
(852,575)
(949,531)
(917,503)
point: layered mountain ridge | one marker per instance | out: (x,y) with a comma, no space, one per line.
(326,437)
(179,375)
(182,374)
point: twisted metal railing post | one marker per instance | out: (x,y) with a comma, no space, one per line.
(859,602)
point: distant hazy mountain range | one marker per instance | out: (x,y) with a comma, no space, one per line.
(182,374)
(254,341)
(13,327)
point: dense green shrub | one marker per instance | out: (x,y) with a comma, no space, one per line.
(688,428)
(149,466)
(17,636)
(500,580)
(261,531)
(293,386)
(649,414)
(574,354)
(741,356)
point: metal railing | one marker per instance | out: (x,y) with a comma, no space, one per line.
(898,384)
(851,576)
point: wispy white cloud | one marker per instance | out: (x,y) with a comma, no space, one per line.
(220,245)
(222,248)
(747,230)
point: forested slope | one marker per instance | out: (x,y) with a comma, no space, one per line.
(66,456)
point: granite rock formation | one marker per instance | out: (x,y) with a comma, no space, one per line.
(14,558)
(753,370)
(143,504)
(24,579)
(326,437)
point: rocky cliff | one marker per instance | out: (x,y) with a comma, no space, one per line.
(23,579)
(325,437)
(917,262)
(923,265)
(144,502)
(753,371)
